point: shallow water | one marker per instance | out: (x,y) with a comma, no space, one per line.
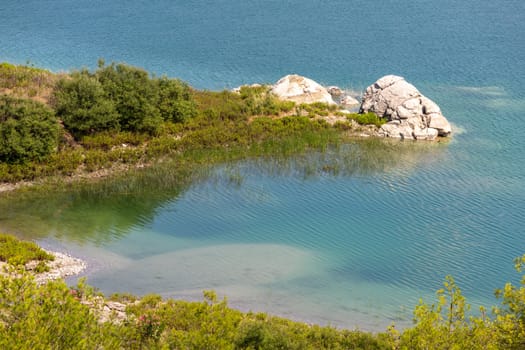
(352,237)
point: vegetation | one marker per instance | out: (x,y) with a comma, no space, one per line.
(369,118)
(26,82)
(19,253)
(56,316)
(119,117)
(28,130)
(120,97)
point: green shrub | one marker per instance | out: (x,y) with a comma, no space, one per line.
(19,253)
(369,118)
(175,101)
(119,96)
(134,95)
(17,77)
(28,130)
(49,316)
(84,106)
(316,109)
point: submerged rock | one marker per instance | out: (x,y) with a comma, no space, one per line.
(301,90)
(410,114)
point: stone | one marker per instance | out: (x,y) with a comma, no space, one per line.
(347,101)
(335,91)
(410,114)
(439,122)
(301,90)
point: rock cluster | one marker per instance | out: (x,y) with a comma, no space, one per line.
(410,114)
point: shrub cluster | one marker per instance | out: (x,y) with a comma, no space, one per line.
(118,116)
(28,130)
(120,97)
(55,316)
(19,253)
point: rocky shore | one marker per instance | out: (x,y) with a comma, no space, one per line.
(409,114)
(62,266)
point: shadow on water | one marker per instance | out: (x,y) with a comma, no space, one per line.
(105,210)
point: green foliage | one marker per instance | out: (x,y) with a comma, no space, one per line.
(510,317)
(28,130)
(18,253)
(119,115)
(316,109)
(48,317)
(259,101)
(369,118)
(445,325)
(108,140)
(134,95)
(175,100)
(84,106)
(24,80)
(119,96)
(251,101)
(55,316)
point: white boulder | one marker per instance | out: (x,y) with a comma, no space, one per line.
(410,114)
(301,90)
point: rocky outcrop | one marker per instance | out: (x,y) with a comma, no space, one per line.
(410,114)
(301,90)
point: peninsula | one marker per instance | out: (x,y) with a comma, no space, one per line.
(90,124)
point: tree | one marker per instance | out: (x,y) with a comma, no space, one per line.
(134,95)
(510,318)
(84,106)
(28,130)
(175,100)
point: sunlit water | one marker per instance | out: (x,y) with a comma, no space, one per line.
(352,237)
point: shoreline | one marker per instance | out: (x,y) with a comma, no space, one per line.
(63,266)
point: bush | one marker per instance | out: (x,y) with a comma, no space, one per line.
(84,106)
(28,130)
(121,97)
(49,316)
(175,101)
(18,253)
(369,118)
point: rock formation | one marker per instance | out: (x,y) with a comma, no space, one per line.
(301,90)
(410,114)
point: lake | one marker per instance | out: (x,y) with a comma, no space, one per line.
(352,237)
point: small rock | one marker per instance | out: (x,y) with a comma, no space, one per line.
(347,101)
(301,90)
(335,91)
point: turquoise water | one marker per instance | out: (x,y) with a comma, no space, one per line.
(357,247)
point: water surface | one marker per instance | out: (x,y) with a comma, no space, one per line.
(351,237)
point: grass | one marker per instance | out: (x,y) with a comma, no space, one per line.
(27,82)
(227,126)
(369,118)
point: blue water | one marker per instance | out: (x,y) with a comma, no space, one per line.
(356,248)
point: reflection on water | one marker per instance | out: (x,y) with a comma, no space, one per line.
(102,211)
(352,236)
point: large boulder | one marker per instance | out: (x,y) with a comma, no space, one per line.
(301,90)
(410,114)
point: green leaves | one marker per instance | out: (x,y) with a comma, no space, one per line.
(119,96)
(28,130)
(19,253)
(84,106)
